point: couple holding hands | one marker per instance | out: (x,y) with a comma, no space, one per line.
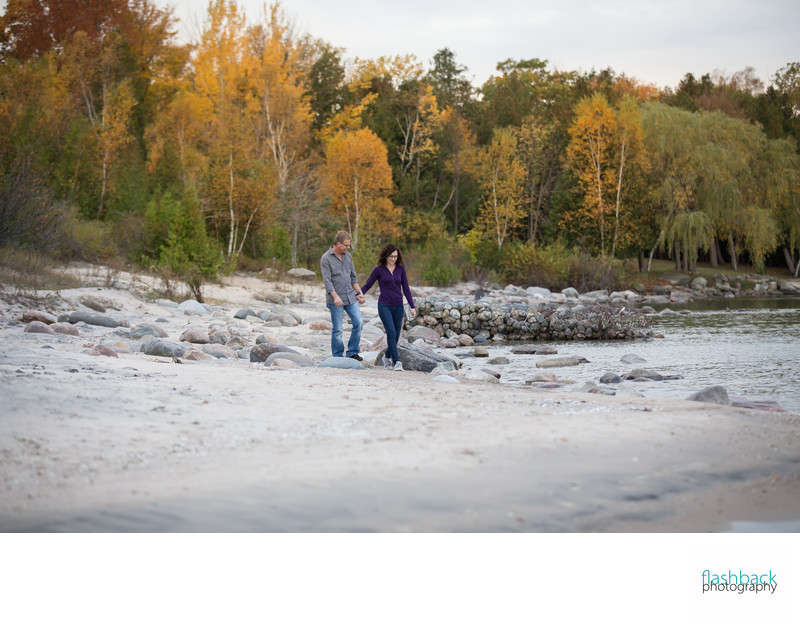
(343,295)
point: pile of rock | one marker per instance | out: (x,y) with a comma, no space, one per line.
(528,322)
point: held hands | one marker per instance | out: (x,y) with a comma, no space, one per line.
(413,313)
(361,299)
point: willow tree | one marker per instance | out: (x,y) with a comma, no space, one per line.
(709,163)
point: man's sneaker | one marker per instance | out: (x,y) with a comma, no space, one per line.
(357,357)
(398,365)
(387,362)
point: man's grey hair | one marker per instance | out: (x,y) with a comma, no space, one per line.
(342,236)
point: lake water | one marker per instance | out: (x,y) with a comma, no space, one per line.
(749,346)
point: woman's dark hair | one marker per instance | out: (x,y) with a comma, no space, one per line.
(386,251)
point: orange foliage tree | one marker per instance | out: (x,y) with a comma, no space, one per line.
(358,180)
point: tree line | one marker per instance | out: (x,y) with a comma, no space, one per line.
(257,142)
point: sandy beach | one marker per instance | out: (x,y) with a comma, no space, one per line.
(143,443)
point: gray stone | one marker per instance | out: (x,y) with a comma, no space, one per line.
(94,319)
(301,273)
(643,373)
(713,394)
(297,358)
(260,352)
(558,362)
(570,292)
(610,377)
(499,361)
(698,282)
(163,348)
(190,307)
(242,314)
(344,363)
(220,351)
(630,358)
(419,358)
(194,336)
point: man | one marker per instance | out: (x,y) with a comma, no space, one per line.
(342,293)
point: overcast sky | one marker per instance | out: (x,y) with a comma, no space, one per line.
(656,41)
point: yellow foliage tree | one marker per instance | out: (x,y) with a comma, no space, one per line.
(605,147)
(358,180)
(501,175)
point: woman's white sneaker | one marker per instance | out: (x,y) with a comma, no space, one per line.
(398,366)
(387,362)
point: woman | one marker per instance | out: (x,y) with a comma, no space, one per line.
(393,283)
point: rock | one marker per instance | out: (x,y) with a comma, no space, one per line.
(558,362)
(540,293)
(525,349)
(419,358)
(642,373)
(542,377)
(297,358)
(321,325)
(301,273)
(94,305)
(195,336)
(626,391)
(195,354)
(479,294)
(480,339)
(491,372)
(478,375)
(192,307)
(220,351)
(284,364)
(610,377)
(267,339)
(102,349)
(698,282)
(480,351)
(465,340)
(570,292)
(39,327)
(271,296)
(242,314)
(260,352)
(630,358)
(93,318)
(499,361)
(344,363)
(163,348)
(712,394)
(446,379)
(422,333)
(791,287)
(30,315)
(65,328)
(137,333)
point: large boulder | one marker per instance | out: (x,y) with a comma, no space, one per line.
(419,358)
(713,394)
(95,319)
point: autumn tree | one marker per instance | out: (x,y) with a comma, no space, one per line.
(358,181)
(604,151)
(541,151)
(501,176)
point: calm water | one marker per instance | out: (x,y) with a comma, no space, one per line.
(749,346)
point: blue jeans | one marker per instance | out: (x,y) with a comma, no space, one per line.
(353,344)
(392,318)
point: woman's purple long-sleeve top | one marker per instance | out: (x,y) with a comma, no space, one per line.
(391,284)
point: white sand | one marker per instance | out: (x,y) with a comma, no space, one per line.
(143,443)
